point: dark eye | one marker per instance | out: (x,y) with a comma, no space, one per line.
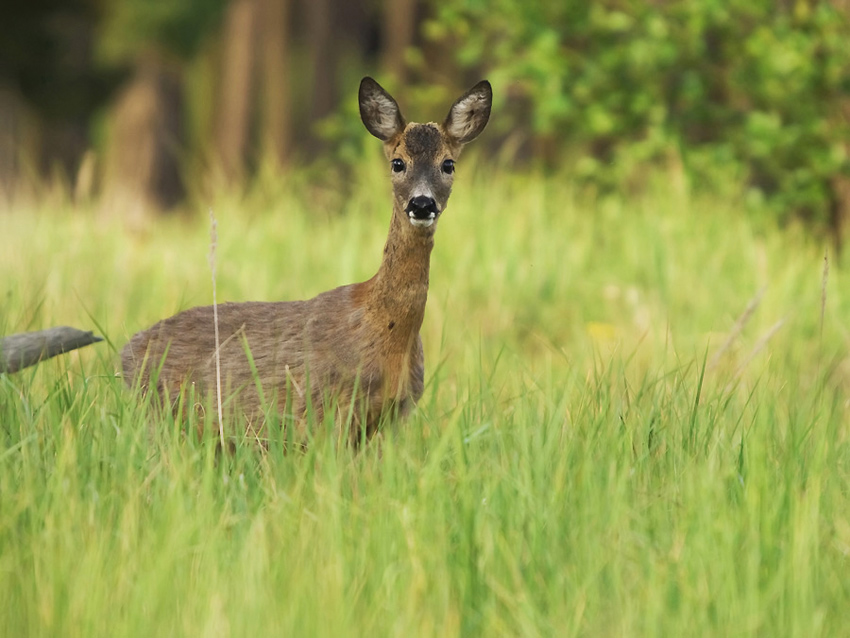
(449,167)
(397,165)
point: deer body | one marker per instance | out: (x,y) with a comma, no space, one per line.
(357,347)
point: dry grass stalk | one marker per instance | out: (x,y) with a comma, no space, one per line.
(823,290)
(737,328)
(767,336)
(213,244)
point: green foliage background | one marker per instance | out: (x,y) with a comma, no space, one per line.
(747,95)
(756,88)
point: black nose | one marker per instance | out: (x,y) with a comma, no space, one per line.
(422,207)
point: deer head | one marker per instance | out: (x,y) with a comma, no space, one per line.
(422,156)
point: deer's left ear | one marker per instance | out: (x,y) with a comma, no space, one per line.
(469,115)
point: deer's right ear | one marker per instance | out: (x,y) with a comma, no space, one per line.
(469,115)
(379,110)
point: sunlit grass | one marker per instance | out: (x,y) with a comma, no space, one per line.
(581,463)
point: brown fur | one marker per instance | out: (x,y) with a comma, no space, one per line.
(355,348)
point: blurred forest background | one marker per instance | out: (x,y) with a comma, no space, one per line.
(145,105)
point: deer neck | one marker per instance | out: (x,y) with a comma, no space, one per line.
(399,290)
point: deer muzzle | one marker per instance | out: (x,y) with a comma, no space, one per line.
(422,210)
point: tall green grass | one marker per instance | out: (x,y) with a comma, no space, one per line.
(590,458)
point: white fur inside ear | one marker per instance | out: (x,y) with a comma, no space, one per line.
(383,115)
(468,116)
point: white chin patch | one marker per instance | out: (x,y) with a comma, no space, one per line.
(422,223)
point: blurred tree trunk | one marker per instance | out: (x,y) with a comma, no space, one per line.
(397,33)
(50,84)
(322,49)
(236,86)
(276,113)
(142,173)
(11,142)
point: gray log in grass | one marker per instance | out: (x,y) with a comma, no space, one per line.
(28,348)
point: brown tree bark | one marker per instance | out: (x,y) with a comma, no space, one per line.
(321,49)
(276,126)
(11,142)
(397,34)
(239,52)
(142,170)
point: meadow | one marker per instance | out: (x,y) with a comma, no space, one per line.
(635,423)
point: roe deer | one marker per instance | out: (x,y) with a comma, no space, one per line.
(358,345)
